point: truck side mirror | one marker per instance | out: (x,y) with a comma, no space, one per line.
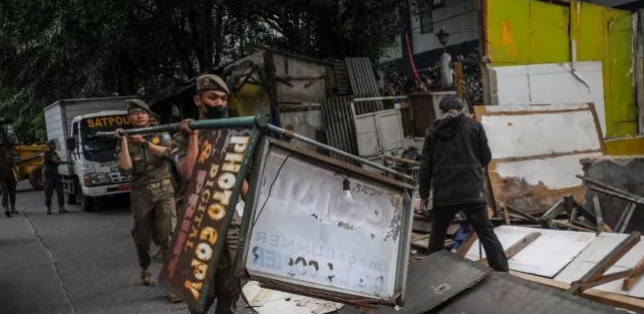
(71,143)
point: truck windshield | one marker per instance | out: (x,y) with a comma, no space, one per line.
(101,148)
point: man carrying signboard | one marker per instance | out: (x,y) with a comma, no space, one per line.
(211,101)
(152,197)
(452,162)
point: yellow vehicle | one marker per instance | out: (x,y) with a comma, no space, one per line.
(29,160)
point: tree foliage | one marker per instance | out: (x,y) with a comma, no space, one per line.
(54,49)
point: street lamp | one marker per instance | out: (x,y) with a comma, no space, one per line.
(443,37)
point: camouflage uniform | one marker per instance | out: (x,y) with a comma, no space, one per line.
(52,181)
(226,287)
(152,196)
(7,180)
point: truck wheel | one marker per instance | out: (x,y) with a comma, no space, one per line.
(35,178)
(87,202)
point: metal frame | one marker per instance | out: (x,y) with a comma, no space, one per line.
(261,153)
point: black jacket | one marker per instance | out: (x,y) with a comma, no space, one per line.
(453,160)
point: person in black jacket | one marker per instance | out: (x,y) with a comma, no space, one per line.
(453,159)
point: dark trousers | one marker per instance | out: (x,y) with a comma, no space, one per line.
(54,183)
(478,217)
(8,189)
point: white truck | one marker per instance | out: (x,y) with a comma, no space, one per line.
(94,173)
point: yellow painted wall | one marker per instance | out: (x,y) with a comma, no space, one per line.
(532,32)
(628,146)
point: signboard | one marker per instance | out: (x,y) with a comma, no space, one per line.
(104,124)
(304,232)
(212,195)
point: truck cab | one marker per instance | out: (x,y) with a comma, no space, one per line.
(94,159)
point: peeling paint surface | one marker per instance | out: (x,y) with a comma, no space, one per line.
(308,231)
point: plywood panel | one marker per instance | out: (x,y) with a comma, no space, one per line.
(553,83)
(546,256)
(536,151)
(597,250)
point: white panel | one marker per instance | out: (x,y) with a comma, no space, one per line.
(267,301)
(306,123)
(597,250)
(555,173)
(391,130)
(547,255)
(553,83)
(541,134)
(347,245)
(367,135)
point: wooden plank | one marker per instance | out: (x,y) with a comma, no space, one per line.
(598,214)
(605,279)
(616,300)
(629,214)
(555,210)
(506,218)
(565,224)
(517,247)
(520,213)
(634,276)
(607,262)
(462,251)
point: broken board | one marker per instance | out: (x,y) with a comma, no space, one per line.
(537,149)
(503,293)
(597,250)
(267,301)
(546,256)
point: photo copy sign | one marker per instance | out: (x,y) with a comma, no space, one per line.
(308,231)
(213,193)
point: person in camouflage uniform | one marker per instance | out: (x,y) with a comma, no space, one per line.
(8,180)
(146,158)
(51,179)
(211,101)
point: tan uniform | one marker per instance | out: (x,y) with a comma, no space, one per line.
(227,288)
(7,179)
(152,197)
(51,179)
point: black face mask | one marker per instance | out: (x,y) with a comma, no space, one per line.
(216,112)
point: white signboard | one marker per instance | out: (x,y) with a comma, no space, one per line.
(307,231)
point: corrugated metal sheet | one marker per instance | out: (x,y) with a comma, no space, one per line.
(339,125)
(341,76)
(364,84)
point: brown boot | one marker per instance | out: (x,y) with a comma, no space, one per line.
(7,213)
(173,298)
(13,210)
(62,210)
(48,210)
(147,277)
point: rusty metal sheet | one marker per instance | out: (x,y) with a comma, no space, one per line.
(339,125)
(304,234)
(536,151)
(190,269)
(502,293)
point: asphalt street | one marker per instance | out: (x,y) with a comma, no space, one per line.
(78,263)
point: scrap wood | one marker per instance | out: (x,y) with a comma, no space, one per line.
(520,213)
(566,224)
(614,191)
(625,218)
(596,274)
(517,247)
(613,299)
(554,211)
(634,276)
(462,251)
(598,214)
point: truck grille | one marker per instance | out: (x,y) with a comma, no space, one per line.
(118,178)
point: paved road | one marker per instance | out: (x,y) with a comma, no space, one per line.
(77,263)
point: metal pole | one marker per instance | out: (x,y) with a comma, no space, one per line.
(337,151)
(240,122)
